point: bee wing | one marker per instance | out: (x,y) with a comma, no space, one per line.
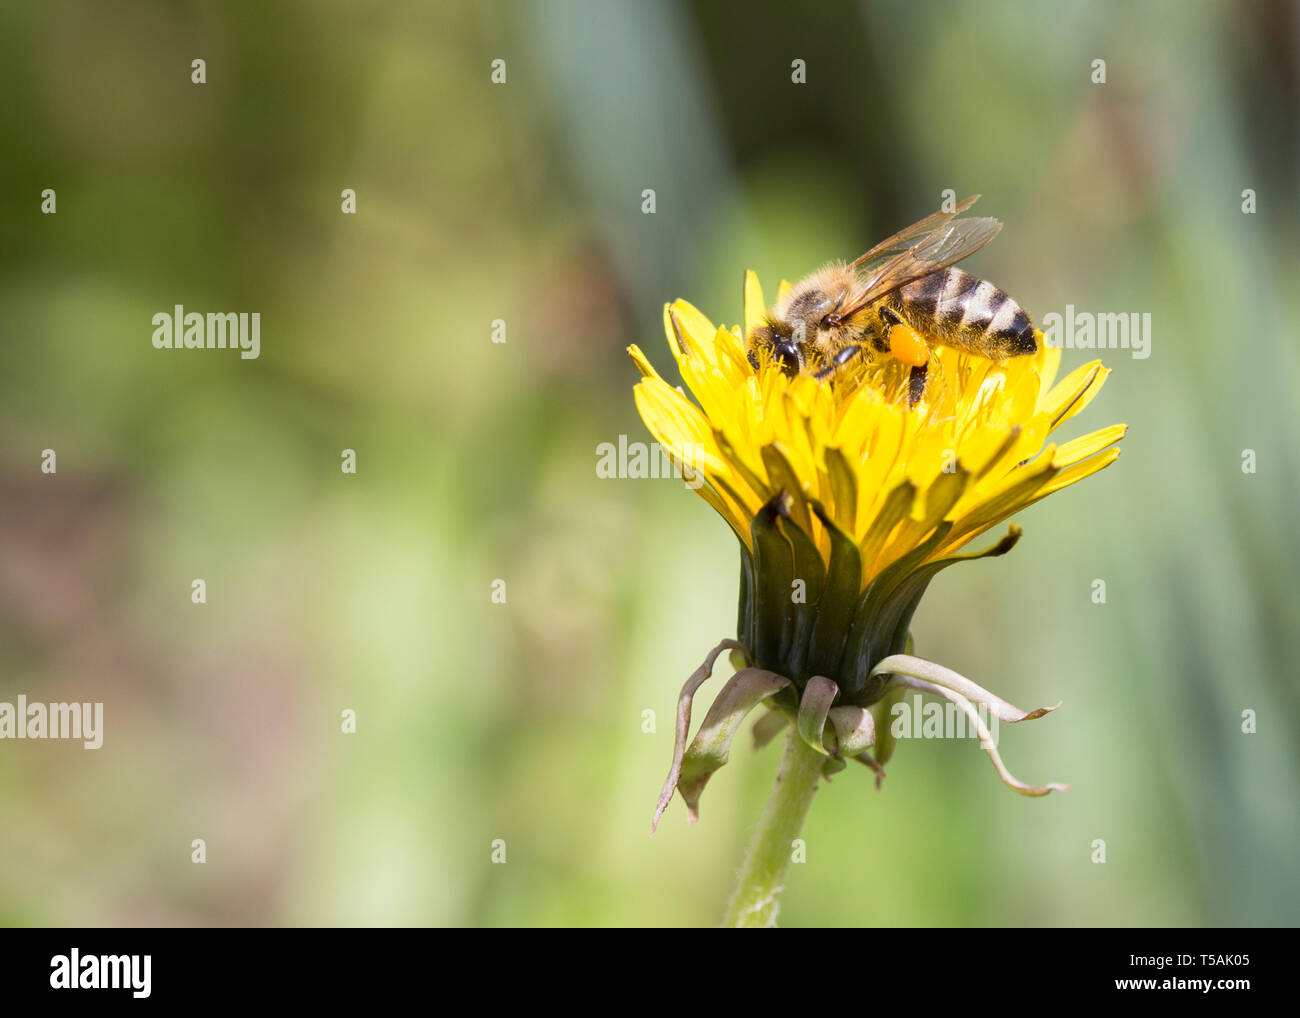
(896,263)
(908,236)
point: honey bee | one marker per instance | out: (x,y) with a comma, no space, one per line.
(897,300)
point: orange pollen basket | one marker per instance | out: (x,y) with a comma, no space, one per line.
(907,346)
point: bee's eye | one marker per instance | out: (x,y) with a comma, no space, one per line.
(785,351)
(781,346)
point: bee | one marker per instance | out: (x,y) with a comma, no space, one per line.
(897,300)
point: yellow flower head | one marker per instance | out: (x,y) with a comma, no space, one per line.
(847,501)
(843,485)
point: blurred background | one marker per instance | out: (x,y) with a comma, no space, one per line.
(522,201)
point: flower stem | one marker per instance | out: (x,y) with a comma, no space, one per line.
(756,899)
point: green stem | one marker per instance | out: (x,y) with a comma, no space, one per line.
(756,899)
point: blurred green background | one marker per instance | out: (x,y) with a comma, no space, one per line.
(476,461)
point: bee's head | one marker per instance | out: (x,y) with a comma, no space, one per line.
(778,339)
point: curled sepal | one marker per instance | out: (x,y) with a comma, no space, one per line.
(929,671)
(916,673)
(855,734)
(768,727)
(818,695)
(712,744)
(697,679)
(854,728)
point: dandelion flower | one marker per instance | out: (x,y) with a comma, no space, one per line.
(846,502)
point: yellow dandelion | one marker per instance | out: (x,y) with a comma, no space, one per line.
(846,502)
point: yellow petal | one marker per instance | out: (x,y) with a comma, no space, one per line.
(895,508)
(674,421)
(1079,471)
(1088,445)
(685,345)
(1049,365)
(724,507)
(643,364)
(1074,392)
(1018,489)
(697,326)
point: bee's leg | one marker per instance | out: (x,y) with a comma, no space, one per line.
(888,319)
(839,360)
(916,383)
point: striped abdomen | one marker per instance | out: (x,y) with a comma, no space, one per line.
(967,312)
